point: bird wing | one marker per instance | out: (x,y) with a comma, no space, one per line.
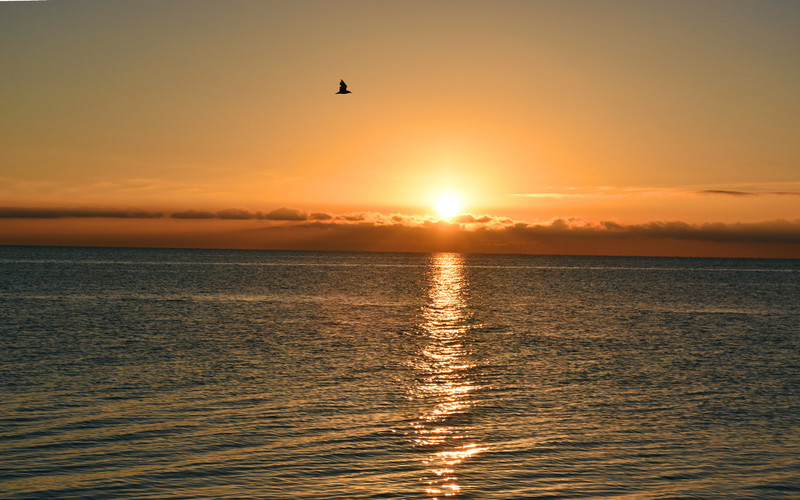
(342,86)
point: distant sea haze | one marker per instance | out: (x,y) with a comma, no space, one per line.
(142,373)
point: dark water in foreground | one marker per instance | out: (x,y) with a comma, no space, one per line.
(232,374)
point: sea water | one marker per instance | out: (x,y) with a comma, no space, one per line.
(142,373)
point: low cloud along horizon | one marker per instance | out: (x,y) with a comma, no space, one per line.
(295,229)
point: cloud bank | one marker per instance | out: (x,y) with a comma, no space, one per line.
(289,228)
(728,192)
(58,213)
(279,214)
(639,192)
(486,227)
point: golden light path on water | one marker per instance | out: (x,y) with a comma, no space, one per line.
(445,379)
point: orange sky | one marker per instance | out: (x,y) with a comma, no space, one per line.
(563,127)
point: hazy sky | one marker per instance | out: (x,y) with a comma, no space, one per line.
(631,112)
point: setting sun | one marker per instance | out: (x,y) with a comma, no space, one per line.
(448,206)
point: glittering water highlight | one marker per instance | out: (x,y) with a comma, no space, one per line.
(232,374)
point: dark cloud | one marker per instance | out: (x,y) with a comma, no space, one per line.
(471,219)
(57,213)
(280,214)
(728,192)
(778,231)
(289,228)
(561,236)
(353,217)
(237,213)
(227,214)
(288,214)
(193,214)
(320,216)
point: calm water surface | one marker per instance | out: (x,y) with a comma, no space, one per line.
(232,374)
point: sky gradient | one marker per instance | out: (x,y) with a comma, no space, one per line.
(613,127)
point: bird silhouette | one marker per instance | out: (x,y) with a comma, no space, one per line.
(343,88)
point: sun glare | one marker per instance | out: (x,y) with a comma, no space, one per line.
(448,206)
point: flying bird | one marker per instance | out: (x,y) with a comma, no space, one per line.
(343,88)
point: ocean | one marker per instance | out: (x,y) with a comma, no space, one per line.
(154,373)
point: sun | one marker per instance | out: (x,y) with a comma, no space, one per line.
(448,206)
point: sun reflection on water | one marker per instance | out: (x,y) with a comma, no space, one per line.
(445,380)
